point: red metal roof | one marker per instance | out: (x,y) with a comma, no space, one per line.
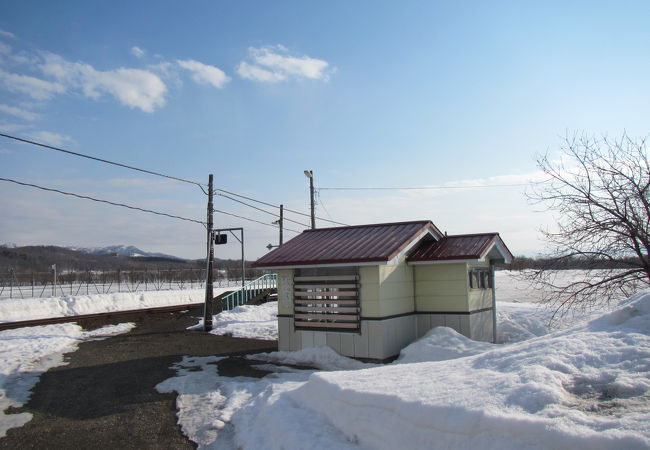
(354,244)
(462,246)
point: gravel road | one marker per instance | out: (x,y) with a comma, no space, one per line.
(105,397)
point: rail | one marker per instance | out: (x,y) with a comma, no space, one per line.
(249,291)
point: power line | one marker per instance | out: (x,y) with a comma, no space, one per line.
(151,172)
(102,201)
(137,208)
(27,141)
(320,201)
(260,209)
(277,206)
(253,220)
(420,188)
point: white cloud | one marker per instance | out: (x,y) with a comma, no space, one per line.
(5,49)
(34,87)
(24,58)
(272,64)
(49,138)
(18,112)
(137,51)
(135,88)
(11,127)
(7,34)
(204,73)
(256,73)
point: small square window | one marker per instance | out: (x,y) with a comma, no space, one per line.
(480,279)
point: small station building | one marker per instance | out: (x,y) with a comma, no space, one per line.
(367,291)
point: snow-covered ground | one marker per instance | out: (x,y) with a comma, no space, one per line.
(580,384)
(520,316)
(26,353)
(12,310)
(583,383)
(247,321)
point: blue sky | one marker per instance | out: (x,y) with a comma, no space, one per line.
(362,93)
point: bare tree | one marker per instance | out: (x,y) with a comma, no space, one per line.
(600,190)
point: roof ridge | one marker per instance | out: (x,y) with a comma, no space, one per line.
(373,225)
(471,234)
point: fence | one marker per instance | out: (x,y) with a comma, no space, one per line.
(50,284)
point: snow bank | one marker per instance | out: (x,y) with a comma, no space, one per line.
(12,310)
(440,344)
(323,358)
(587,387)
(224,413)
(583,387)
(246,321)
(522,316)
(25,353)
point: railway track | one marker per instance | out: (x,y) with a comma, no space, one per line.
(99,316)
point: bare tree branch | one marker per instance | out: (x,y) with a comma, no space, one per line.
(600,190)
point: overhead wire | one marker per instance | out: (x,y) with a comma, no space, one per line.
(256,221)
(263,210)
(378,188)
(151,172)
(103,201)
(320,201)
(58,149)
(277,206)
(86,197)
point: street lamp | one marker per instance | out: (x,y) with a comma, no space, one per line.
(310,174)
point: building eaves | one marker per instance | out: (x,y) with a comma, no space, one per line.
(377,243)
(456,247)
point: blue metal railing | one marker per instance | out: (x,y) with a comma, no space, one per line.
(249,291)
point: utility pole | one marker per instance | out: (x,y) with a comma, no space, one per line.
(207,310)
(280,222)
(54,280)
(243,261)
(310,174)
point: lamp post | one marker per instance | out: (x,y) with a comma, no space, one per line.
(310,174)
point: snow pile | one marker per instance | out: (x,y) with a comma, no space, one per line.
(323,358)
(520,313)
(440,344)
(225,413)
(13,310)
(584,387)
(518,322)
(25,353)
(246,321)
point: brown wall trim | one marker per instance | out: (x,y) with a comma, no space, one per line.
(460,313)
(388,317)
(465,313)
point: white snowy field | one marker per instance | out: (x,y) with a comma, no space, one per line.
(584,384)
(26,353)
(579,384)
(13,310)
(510,289)
(520,315)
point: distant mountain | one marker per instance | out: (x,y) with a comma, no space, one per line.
(124,250)
(41,257)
